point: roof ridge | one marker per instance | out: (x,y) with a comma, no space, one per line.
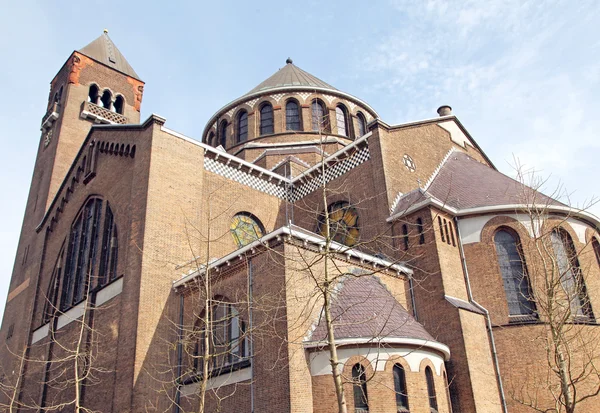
(437,170)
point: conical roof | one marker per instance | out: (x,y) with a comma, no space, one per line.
(290,76)
(364,308)
(104,51)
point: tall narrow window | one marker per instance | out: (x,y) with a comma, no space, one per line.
(266,119)
(441,229)
(421,231)
(292,116)
(433,406)
(50,300)
(211,139)
(400,389)
(80,271)
(405,236)
(228,343)
(242,127)
(319,117)
(596,246)
(570,274)
(223,134)
(119,104)
(341,117)
(362,124)
(82,253)
(93,94)
(514,273)
(359,379)
(108,261)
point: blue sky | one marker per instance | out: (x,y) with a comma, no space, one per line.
(522,76)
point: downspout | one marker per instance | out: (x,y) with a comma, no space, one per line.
(412,297)
(487,316)
(251,344)
(176,408)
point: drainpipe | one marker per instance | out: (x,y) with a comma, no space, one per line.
(487,316)
(179,355)
(412,297)
(251,344)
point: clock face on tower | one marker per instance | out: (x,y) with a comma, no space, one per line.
(343,223)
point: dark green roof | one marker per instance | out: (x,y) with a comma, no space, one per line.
(289,76)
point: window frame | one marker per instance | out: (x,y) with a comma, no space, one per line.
(342,121)
(359,388)
(362,124)
(266,128)
(298,115)
(431,393)
(242,126)
(400,388)
(319,125)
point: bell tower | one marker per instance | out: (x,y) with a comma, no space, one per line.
(96,85)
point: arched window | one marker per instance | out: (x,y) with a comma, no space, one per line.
(84,247)
(106,100)
(433,406)
(421,231)
(266,119)
(242,126)
(341,117)
(110,249)
(292,116)
(58,95)
(343,223)
(223,134)
(400,388)
(362,124)
(514,273)
(596,246)
(405,236)
(52,294)
(245,228)
(93,94)
(211,139)
(320,120)
(119,104)
(359,380)
(570,275)
(228,342)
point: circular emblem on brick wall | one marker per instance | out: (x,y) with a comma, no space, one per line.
(409,163)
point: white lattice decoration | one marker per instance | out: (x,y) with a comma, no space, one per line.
(331,173)
(252,102)
(329,98)
(235,174)
(277,97)
(304,95)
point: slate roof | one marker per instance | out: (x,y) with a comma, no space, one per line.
(462,182)
(288,76)
(364,308)
(104,51)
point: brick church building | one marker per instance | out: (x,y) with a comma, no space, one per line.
(154,268)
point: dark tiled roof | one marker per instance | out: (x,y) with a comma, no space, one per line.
(104,51)
(288,76)
(464,183)
(364,308)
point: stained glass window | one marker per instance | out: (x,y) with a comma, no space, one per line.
(343,222)
(319,117)
(570,274)
(245,229)
(514,274)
